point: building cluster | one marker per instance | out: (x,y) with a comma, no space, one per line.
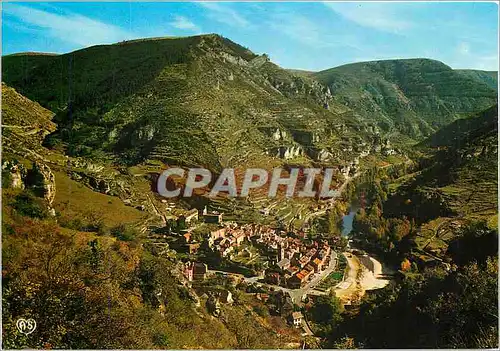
(294,260)
(194,215)
(298,261)
(225,239)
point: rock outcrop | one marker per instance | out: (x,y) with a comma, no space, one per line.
(48,182)
(17,173)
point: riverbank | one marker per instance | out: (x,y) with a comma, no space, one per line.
(364,273)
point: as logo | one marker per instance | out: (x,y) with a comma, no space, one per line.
(26,326)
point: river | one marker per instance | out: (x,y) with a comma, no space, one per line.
(373,273)
(347,221)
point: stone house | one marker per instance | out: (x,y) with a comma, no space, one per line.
(191,215)
(284,264)
(215,235)
(212,217)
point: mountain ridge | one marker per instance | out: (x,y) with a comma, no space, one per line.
(180,76)
(414,97)
(181,100)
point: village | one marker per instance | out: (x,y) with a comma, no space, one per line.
(276,256)
(282,268)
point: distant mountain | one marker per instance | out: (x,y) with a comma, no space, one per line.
(207,101)
(488,77)
(414,97)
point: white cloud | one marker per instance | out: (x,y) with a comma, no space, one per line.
(70,28)
(469,56)
(225,14)
(380,16)
(463,48)
(306,31)
(296,27)
(184,23)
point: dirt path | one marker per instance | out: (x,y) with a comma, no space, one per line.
(157,211)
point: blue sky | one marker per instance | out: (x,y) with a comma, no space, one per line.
(311,36)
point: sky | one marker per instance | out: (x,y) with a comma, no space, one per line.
(300,35)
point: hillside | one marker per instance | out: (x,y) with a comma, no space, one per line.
(466,171)
(185,101)
(455,184)
(22,117)
(465,131)
(488,77)
(413,97)
(188,101)
(438,222)
(459,173)
(79,257)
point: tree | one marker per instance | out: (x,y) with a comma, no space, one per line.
(326,311)
(405,265)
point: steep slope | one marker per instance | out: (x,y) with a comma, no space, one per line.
(413,97)
(460,176)
(419,214)
(465,131)
(185,101)
(24,122)
(488,77)
(20,111)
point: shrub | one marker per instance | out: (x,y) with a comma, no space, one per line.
(27,204)
(124,232)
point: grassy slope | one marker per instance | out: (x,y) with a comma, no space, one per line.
(24,122)
(75,199)
(15,109)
